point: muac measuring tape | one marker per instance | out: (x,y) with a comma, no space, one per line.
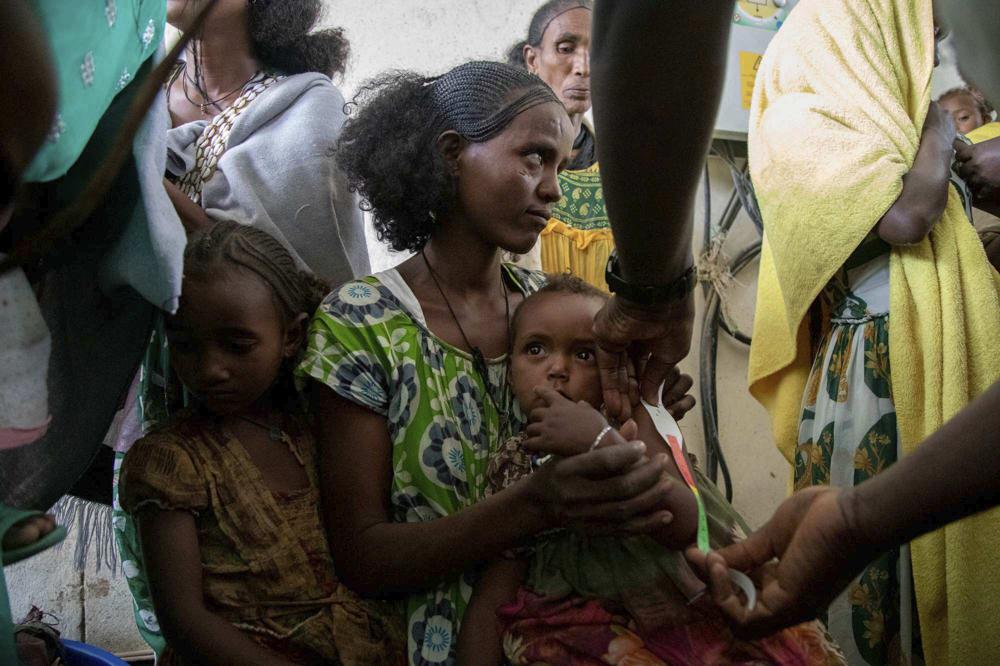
(671,433)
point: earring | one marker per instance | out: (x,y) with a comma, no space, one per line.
(433,217)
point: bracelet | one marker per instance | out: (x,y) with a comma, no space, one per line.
(600,436)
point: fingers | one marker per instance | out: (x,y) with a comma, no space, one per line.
(655,374)
(609,365)
(629,430)
(550,395)
(681,407)
(750,553)
(963,151)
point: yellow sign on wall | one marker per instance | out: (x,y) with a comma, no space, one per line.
(749,64)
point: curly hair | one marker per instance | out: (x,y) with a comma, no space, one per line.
(282,37)
(388,149)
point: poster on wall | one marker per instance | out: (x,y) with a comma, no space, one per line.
(755,22)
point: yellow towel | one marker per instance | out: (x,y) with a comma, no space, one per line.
(984,132)
(838,106)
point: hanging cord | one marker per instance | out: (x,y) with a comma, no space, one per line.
(716,273)
(65,221)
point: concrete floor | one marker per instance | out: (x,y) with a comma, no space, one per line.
(93,606)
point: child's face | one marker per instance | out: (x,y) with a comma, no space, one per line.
(964,111)
(554,346)
(228,339)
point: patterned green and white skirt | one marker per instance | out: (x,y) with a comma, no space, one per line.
(847,434)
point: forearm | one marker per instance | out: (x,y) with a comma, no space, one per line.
(479,642)
(651,147)
(953,474)
(205,638)
(193,217)
(924,195)
(387,558)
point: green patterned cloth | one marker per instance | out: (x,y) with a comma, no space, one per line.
(157,397)
(370,344)
(582,203)
(847,434)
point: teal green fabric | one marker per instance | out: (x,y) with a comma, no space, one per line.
(97,47)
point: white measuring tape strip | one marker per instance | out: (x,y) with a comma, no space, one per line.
(671,434)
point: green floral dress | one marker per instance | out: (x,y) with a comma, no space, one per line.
(847,434)
(369,342)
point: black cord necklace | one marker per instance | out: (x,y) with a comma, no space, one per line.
(207,103)
(478,359)
(275,433)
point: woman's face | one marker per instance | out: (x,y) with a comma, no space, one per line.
(507,185)
(562,60)
(181,13)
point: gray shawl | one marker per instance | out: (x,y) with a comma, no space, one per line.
(279,174)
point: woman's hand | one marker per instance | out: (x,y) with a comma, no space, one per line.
(615,487)
(800,560)
(979,166)
(655,338)
(675,397)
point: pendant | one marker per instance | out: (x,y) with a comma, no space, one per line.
(275,434)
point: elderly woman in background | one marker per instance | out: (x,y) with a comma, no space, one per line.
(578,237)
(254,120)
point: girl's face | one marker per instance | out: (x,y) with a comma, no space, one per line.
(554,346)
(507,185)
(228,339)
(562,59)
(964,110)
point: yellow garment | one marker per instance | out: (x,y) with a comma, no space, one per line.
(984,132)
(838,107)
(578,238)
(581,252)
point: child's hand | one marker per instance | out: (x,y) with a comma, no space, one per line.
(562,427)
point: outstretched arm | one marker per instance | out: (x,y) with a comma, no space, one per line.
(823,537)
(653,129)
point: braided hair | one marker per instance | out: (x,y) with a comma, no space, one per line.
(230,243)
(295,291)
(388,149)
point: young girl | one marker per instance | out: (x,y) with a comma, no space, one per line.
(608,598)
(225,495)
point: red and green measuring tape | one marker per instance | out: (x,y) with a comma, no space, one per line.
(671,433)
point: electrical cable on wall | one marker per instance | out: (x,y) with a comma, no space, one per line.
(716,273)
